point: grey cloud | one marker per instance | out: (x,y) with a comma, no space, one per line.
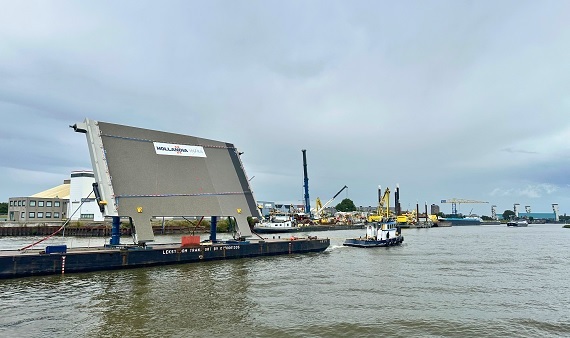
(414,92)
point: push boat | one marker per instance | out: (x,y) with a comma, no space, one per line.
(517,223)
(384,233)
(189,177)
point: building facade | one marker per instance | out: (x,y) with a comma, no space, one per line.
(34,209)
(82,203)
(73,199)
(434,209)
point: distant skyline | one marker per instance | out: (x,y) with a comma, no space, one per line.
(448,99)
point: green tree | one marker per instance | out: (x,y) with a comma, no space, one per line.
(346,205)
(3,208)
(508,213)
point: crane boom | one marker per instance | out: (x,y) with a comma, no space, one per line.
(455,201)
(318,211)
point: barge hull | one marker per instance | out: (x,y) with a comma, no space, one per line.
(15,264)
(369,243)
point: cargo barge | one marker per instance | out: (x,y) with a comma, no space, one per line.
(59,260)
(143,174)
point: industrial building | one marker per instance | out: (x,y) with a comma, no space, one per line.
(265,207)
(434,209)
(59,203)
(546,216)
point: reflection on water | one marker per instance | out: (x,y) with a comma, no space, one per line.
(460,281)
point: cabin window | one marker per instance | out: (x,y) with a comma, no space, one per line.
(40,203)
(56,204)
(48,204)
(32,203)
(32,214)
(40,215)
(48,214)
(56,215)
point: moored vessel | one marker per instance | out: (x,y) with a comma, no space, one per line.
(459,221)
(277,223)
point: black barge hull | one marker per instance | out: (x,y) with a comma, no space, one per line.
(35,262)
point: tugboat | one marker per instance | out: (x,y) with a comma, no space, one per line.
(383,233)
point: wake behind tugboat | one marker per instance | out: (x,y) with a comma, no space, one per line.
(384,233)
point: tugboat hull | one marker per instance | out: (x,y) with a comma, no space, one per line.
(369,243)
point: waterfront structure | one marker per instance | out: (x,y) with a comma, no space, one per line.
(434,209)
(37,209)
(536,216)
(82,203)
(45,206)
(72,199)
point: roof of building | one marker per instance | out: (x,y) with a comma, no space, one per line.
(60,191)
(538,215)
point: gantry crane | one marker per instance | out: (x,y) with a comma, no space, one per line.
(455,201)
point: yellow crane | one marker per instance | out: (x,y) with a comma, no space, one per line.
(455,201)
(384,201)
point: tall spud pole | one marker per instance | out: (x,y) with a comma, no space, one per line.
(397,200)
(306,184)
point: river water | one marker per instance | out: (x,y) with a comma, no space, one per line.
(477,281)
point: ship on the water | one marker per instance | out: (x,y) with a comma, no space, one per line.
(459,221)
(383,233)
(141,174)
(517,223)
(277,223)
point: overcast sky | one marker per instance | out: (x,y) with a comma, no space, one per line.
(464,99)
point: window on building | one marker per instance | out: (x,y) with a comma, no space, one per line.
(56,204)
(48,214)
(24,203)
(32,203)
(87,216)
(48,204)
(11,203)
(40,215)
(56,215)
(19,203)
(32,214)
(23,215)
(40,203)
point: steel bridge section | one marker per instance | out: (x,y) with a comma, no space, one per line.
(142,173)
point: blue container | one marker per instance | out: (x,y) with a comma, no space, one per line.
(56,249)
